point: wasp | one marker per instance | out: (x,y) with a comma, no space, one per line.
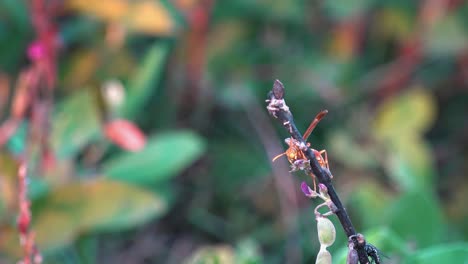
(296,156)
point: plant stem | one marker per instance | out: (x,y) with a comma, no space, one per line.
(277,108)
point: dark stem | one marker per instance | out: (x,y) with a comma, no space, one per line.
(277,108)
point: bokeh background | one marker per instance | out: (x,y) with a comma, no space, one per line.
(193,75)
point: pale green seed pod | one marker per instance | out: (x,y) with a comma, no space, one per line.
(326,231)
(323,257)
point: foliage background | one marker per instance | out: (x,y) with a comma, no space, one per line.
(393,75)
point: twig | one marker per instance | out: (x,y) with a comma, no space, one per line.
(277,108)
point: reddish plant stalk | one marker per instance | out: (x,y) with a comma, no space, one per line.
(27,236)
(37,96)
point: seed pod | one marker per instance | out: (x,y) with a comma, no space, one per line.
(326,231)
(323,257)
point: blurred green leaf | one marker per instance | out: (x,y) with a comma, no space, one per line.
(100,205)
(146,80)
(340,142)
(347,9)
(221,254)
(410,166)
(278,10)
(417,217)
(248,252)
(75,123)
(37,187)
(387,241)
(226,170)
(164,156)
(88,249)
(17,11)
(372,200)
(17,143)
(443,253)
(447,37)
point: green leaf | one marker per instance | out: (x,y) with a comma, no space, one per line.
(146,80)
(17,12)
(87,248)
(372,199)
(17,143)
(387,241)
(248,252)
(341,141)
(75,123)
(37,187)
(444,253)
(447,37)
(100,205)
(347,9)
(164,156)
(212,254)
(417,218)
(410,166)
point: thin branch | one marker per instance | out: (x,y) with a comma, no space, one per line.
(278,108)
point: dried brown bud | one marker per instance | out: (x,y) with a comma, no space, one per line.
(278,90)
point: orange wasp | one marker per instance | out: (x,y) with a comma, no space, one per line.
(298,159)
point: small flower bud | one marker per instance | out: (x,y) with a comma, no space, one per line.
(323,257)
(323,189)
(326,231)
(307,190)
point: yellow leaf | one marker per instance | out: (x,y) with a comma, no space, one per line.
(409,114)
(395,23)
(223,37)
(109,10)
(150,17)
(99,205)
(144,16)
(8,183)
(83,67)
(9,242)
(55,229)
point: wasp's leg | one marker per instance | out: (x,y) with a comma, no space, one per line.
(314,180)
(323,161)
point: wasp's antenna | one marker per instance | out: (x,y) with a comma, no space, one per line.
(277,156)
(314,123)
